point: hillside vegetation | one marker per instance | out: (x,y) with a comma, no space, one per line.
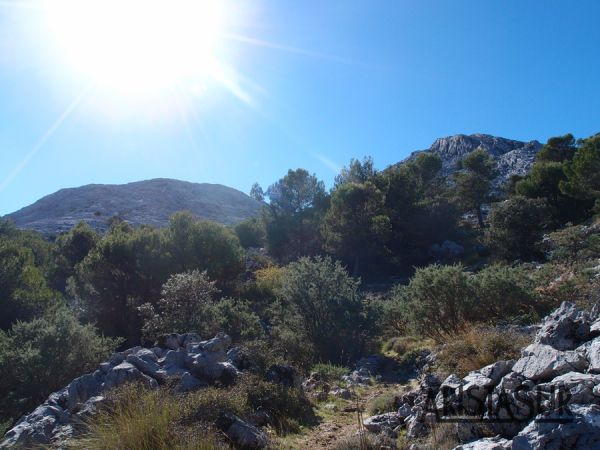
(397,261)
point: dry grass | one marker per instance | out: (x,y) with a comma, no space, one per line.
(135,418)
(138,419)
(478,347)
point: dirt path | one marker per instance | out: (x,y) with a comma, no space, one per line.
(337,420)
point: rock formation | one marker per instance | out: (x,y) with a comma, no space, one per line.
(185,357)
(547,399)
(512,157)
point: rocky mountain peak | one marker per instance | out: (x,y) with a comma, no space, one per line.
(513,157)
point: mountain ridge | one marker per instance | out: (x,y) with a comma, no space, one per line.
(148,202)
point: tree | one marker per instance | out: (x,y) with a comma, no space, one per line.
(418,207)
(516,226)
(256,192)
(473,182)
(323,309)
(356,172)
(355,227)
(204,245)
(583,171)
(24,293)
(558,149)
(292,218)
(546,177)
(71,248)
(126,267)
(251,232)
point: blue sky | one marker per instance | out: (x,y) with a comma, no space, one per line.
(337,79)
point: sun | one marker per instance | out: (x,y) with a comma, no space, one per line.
(138,46)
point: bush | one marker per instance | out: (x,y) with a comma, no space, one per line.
(478,347)
(440,301)
(408,349)
(387,402)
(330,372)
(287,407)
(187,304)
(505,293)
(41,356)
(321,306)
(516,226)
(238,320)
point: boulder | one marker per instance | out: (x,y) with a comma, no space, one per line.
(82,389)
(573,387)
(147,366)
(565,328)
(174,362)
(376,424)
(576,429)
(496,371)
(219,344)
(126,373)
(190,383)
(493,443)
(592,353)
(242,434)
(542,362)
(33,429)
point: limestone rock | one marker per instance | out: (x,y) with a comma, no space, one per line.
(543,362)
(494,443)
(243,434)
(565,328)
(582,432)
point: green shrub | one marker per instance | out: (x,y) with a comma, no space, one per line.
(187,304)
(440,301)
(407,349)
(287,407)
(506,293)
(321,309)
(41,356)
(387,402)
(330,372)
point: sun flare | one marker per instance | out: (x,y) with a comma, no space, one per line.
(139,46)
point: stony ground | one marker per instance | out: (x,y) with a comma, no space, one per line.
(338,419)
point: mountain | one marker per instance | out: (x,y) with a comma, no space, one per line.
(149,202)
(513,157)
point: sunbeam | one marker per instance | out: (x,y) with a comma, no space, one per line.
(45,138)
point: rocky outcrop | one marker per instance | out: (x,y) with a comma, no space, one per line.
(547,399)
(187,359)
(149,202)
(513,157)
